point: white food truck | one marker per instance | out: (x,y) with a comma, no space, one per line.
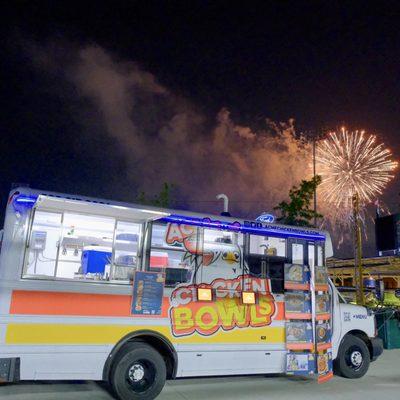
(101,290)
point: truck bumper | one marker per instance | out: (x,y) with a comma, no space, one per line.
(377,347)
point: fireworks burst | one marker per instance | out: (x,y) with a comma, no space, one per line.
(350,163)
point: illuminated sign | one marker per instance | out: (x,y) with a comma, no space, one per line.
(252,227)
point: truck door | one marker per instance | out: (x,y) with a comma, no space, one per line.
(316,257)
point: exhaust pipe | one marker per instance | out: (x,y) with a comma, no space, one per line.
(224,197)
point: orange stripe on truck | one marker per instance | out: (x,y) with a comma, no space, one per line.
(86,304)
(83,304)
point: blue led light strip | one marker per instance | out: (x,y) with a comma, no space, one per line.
(25,200)
(246,227)
(252,227)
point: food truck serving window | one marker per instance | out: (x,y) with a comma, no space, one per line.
(86,245)
(188,253)
(266,258)
(175,249)
(320,254)
(42,248)
(267,245)
(222,255)
(81,247)
(298,253)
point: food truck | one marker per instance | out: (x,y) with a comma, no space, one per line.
(133,295)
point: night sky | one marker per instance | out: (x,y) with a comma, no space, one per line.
(322,63)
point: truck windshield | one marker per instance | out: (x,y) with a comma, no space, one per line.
(340,297)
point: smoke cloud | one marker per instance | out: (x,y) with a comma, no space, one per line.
(163,137)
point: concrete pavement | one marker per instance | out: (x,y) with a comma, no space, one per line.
(381,382)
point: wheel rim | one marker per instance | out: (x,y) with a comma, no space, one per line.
(354,358)
(140,376)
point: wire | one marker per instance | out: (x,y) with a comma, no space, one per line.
(218,201)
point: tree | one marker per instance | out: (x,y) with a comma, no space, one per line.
(297,211)
(163,199)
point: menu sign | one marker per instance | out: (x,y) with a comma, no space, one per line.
(322,306)
(297,277)
(300,363)
(148,292)
(297,305)
(299,336)
(323,335)
(324,366)
(321,278)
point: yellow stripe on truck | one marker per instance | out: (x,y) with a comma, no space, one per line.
(111,334)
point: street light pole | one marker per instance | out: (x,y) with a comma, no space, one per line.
(358,268)
(315,187)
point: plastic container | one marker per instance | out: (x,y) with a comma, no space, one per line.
(94,259)
(388,324)
(369,283)
(158,259)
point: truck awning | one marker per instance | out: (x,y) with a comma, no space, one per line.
(59,204)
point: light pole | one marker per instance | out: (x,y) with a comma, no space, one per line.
(358,268)
(315,186)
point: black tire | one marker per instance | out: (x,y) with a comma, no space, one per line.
(353,358)
(138,372)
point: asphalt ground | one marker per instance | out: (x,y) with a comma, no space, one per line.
(381,382)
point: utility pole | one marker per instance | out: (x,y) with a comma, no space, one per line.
(315,187)
(358,268)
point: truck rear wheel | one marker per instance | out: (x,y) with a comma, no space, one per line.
(139,372)
(353,358)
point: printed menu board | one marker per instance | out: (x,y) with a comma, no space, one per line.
(297,305)
(323,335)
(299,336)
(297,276)
(324,366)
(322,306)
(300,363)
(321,278)
(148,292)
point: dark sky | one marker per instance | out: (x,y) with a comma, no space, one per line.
(322,63)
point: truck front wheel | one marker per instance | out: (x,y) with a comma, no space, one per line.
(353,358)
(139,372)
